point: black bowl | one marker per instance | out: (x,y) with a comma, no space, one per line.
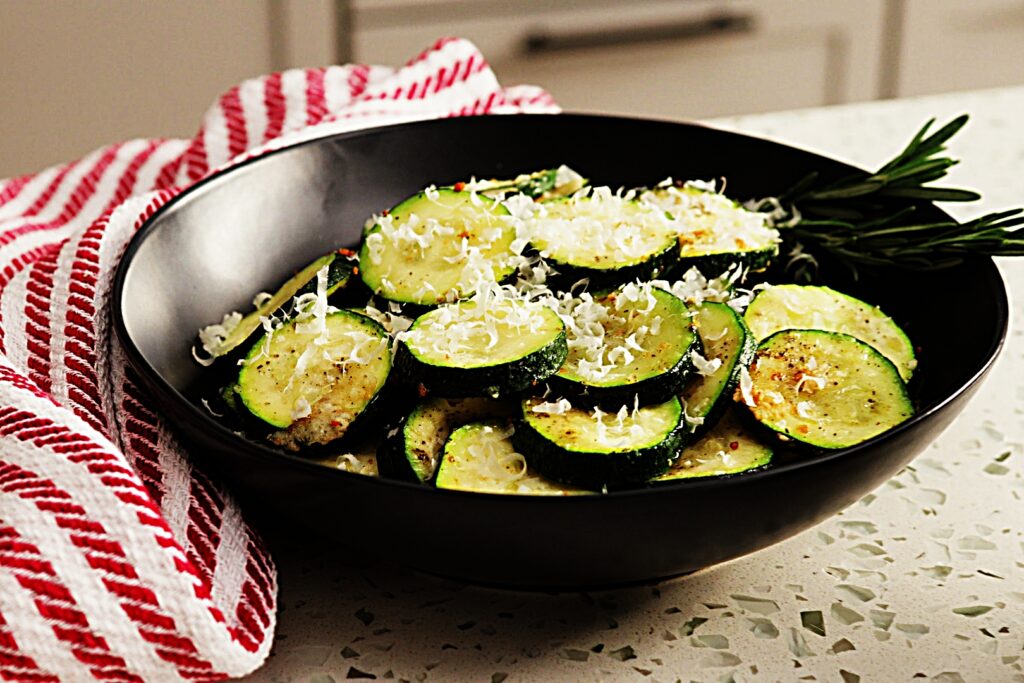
(243,230)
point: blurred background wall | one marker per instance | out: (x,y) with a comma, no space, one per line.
(75,74)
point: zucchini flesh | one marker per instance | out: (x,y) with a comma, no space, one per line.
(412,452)
(634,342)
(437,246)
(339,270)
(360,458)
(729,448)
(825,389)
(785,307)
(715,232)
(728,347)
(312,381)
(480,457)
(605,238)
(593,449)
(478,347)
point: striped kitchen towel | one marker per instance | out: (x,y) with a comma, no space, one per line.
(120,560)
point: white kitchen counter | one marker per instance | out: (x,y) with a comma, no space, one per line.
(921,580)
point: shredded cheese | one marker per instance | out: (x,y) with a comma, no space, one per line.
(709,222)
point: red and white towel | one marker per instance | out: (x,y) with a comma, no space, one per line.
(119,560)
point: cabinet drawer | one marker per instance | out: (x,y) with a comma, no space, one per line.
(693,59)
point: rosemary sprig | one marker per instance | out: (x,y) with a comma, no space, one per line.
(871,219)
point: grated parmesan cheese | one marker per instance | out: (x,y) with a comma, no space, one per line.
(747,388)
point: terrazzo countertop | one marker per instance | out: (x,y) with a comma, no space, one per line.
(923,579)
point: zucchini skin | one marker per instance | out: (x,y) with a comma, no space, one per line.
(653,389)
(339,281)
(657,389)
(339,273)
(393,459)
(845,313)
(374,280)
(459,466)
(745,354)
(566,275)
(596,471)
(492,380)
(402,457)
(730,432)
(322,425)
(896,407)
(714,264)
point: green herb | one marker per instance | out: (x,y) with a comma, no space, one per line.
(534,185)
(872,219)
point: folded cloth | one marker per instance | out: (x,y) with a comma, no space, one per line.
(119,559)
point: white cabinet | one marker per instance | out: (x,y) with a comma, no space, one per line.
(698,58)
(952,45)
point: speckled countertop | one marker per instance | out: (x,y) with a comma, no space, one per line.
(921,580)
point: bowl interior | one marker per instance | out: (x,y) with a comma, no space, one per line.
(213,248)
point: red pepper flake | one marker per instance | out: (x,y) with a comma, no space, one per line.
(459,187)
(335,423)
(734,445)
(803,429)
(422,390)
(464,235)
(385,212)
(346,252)
(355,271)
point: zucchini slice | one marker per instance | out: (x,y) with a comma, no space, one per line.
(338,273)
(480,457)
(825,389)
(729,448)
(787,307)
(437,246)
(728,347)
(545,184)
(603,237)
(593,449)
(482,348)
(311,380)
(635,343)
(413,450)
(359,458)
(715,233)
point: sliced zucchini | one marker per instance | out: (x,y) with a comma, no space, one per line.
(311,380)
(551,182)
(715,233)
(635,343)
(593,449)
(437,246)
(480,457)
(604,238)
(729,448)
(413,450)
(728,347)
(219,342)
(787,307)
(482,348)
(825,389)
(359,458)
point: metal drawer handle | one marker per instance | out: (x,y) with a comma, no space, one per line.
(714,25)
